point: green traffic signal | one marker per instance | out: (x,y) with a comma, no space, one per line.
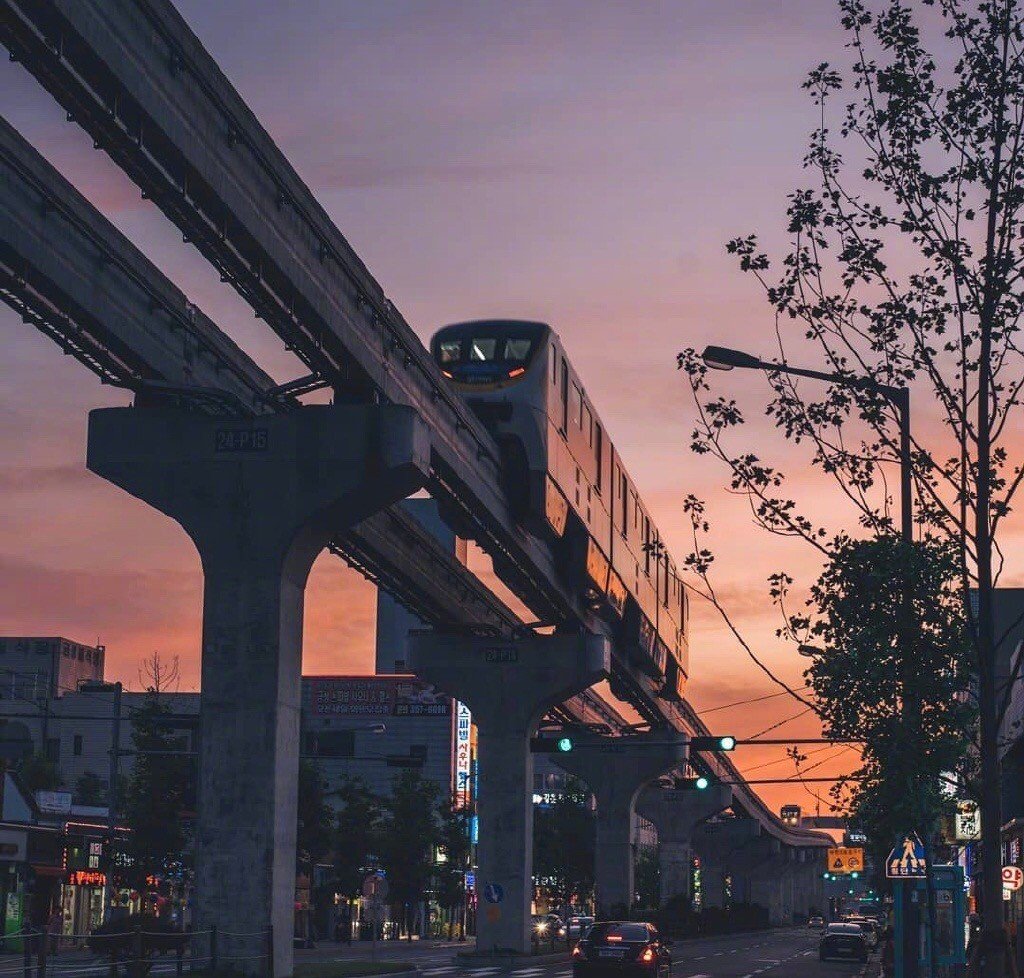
(855,876)
(564,745)
(727,742)
(702,783)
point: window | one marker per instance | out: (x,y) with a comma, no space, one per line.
(53,749)
(76,748)
(579,406)
(598,451)
(565,396)
(451,351)
(588,425)
(517,350)
(483,348)
(554,367)
(624,498)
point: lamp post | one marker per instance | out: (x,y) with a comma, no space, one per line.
(722,358)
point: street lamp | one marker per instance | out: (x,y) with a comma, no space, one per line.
(722,358)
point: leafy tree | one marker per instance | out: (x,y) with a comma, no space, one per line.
(563,840)
(647,876)
(38,773)
(357,834)
(409,833)
(901,693)
(160,788)
(315,816)
(904,264)
(91,789)
(456,848)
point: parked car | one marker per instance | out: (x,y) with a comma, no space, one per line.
(816,922)
(622,947)
(843,941)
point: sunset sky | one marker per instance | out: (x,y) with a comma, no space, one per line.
(576,162)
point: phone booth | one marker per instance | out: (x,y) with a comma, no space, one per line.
(950,915)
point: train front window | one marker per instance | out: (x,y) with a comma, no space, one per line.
(517,350)
(483,349)
(450,351)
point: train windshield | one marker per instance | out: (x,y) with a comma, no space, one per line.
(478,352)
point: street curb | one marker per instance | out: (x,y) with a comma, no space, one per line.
(412,970)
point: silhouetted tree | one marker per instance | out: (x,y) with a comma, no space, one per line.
(357,835)
(563,842)
(408,835)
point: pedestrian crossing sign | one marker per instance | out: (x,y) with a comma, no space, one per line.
(906,861)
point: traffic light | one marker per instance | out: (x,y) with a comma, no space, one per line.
(701,783)
(725,743)
(551,745)
(855,876)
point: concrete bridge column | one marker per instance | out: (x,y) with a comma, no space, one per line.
(615,770)
(509,686)
(675,814)
(712,886)
(259,498)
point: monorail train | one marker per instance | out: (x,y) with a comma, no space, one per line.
(566,483)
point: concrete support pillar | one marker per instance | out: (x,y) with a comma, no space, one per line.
(509,686)
(675,814)
(259,498)
(615,770)
(713,889)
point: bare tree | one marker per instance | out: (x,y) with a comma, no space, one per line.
(160,675)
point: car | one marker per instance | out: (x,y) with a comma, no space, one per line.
(869,928)
(578,926)
(816,922)
(844,941)
(622,947)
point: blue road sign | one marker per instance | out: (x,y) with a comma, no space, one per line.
(494,893)
(470,881)
(906,861)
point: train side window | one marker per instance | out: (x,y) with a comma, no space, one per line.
(588,424)
(647,546)
(624,494)
(554,367)
(565,396)
(599,451)
(576,420)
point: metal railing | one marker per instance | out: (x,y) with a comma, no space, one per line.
(136,953)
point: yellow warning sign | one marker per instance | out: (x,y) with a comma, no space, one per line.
(845,859)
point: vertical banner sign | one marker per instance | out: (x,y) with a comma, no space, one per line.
(967,821)
(463,756)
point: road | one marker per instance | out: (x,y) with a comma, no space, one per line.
(783,953)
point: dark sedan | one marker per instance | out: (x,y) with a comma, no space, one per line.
(622,947)
(844,941)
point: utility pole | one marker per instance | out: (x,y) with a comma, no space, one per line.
(114,769)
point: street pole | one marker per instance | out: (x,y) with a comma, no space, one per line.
(114,769)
